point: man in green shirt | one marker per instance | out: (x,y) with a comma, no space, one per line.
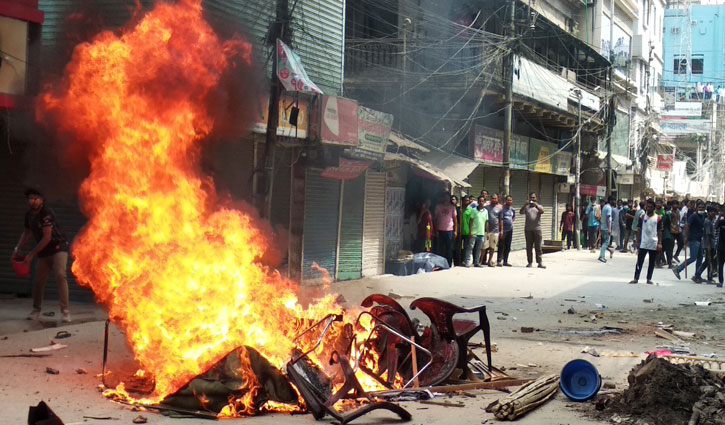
(466,231)
(478,227)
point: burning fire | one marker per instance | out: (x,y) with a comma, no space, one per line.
(177,267)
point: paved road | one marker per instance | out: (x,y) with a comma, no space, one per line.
(515,297)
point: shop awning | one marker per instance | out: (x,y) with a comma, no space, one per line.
(404,142)
(457,166)
(427,167)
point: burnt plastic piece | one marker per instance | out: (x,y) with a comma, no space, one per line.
(441,315)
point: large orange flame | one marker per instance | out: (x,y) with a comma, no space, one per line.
(177,268)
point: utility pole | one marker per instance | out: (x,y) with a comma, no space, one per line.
(577,176)
(508,112)
(611,99)
(277,29)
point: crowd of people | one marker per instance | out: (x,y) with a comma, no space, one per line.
(659,230)
(478,232)
(473,233)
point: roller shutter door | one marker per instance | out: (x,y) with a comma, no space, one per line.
(373,245)
(351,229)
(322,204)
(493,177)
(476,179)
(545,194)
(520,193)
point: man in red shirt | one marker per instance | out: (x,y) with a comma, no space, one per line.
(446,224)
(567,226)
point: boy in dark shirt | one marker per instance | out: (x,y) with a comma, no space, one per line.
(51,249)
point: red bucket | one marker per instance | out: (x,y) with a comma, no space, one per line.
(21,269)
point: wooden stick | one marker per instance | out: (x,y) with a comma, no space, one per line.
(415,363)
(490,385)
(442,403)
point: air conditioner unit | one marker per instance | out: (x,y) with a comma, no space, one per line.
(675,30)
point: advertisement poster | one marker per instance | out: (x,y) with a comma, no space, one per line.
(373,129)
(665,162)
(519,152)
(563,163)
(339,121)
(291,73)
(487,144)
(542,156)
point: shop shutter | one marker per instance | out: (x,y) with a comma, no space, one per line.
(562,198)
(545,195)
(476,179)
(351,229)
(373,255)
(492,179)
(520,193)
(322,203)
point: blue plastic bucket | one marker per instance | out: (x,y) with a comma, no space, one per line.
(580,380)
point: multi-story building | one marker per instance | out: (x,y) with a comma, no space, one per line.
(693,87)
(441,69)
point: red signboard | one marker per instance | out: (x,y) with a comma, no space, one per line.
(665,162)
(339,121)
(346,170)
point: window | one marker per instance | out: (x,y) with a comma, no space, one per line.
(697,64)
(680,66)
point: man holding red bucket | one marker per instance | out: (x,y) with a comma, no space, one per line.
(51,248)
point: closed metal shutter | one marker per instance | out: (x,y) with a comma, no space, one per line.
(493,178)
(477,181)
(373,245)
(520,193)
(322,203)
(351,229)
(545,195)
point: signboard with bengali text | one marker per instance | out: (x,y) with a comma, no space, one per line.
(373,129)
(487,144)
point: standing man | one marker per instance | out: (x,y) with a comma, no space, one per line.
(708,243)
(593,223)
(606,225)
(676,229)
(668,238)
(616,234)
(532,229)
(508,216)
(720,228)
(650,237)
(466,234)
(494,229)
(479,225)
(51,249)
(694,231)
(446,224)
(566,226)
(635,224)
